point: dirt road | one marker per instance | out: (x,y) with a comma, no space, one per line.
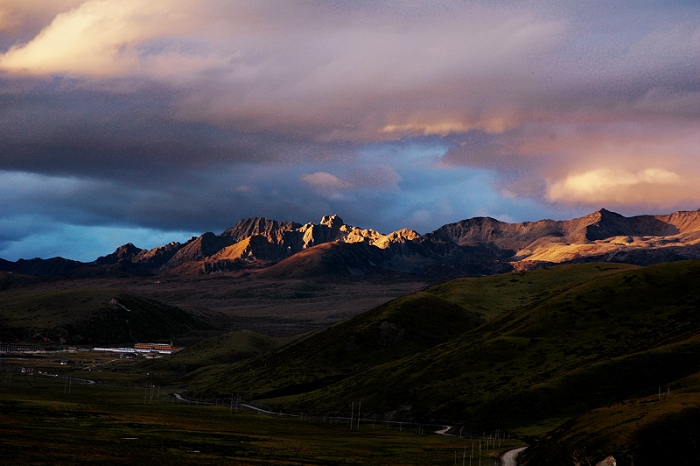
(509,457)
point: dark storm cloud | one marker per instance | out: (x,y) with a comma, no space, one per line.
(90,133)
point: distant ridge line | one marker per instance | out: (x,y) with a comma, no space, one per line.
(476,246)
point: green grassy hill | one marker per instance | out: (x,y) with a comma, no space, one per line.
(523,352)
(221,349)
(390,332)
(398,330)
(89,316)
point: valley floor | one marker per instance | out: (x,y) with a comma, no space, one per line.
(45,421)
(271,307)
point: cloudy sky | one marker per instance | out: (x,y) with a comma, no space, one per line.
(149,122)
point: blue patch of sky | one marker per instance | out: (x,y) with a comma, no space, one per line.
(433,192)
(431,195)
(85,243)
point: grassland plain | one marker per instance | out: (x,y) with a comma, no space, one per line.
(525,351)
(226,302)
(43,421)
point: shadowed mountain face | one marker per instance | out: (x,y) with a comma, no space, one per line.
(476,246)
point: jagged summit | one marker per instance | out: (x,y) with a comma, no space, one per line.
(259,226)
(332,221)
(123,252)
(480,245)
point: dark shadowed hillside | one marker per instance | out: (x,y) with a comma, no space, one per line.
(90,316)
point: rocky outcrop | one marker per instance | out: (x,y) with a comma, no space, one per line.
(274,231)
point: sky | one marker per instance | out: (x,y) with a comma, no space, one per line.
(149,122)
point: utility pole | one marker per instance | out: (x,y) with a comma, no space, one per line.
(352,411)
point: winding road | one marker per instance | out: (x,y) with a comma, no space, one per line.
(509,458)
(77,379)
(444,430)
(181,399)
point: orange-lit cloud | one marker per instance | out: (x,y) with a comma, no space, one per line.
(652,186)
(97,38)
(30,16)
(443,127)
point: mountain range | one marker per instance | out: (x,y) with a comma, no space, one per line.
(476,246)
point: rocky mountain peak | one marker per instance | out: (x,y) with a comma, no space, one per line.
(404,234)
(123,252)
(603,215)
(271,229)
(127,248)
(332,221)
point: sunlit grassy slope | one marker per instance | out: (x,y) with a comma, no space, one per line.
(520,351)
(87,316)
